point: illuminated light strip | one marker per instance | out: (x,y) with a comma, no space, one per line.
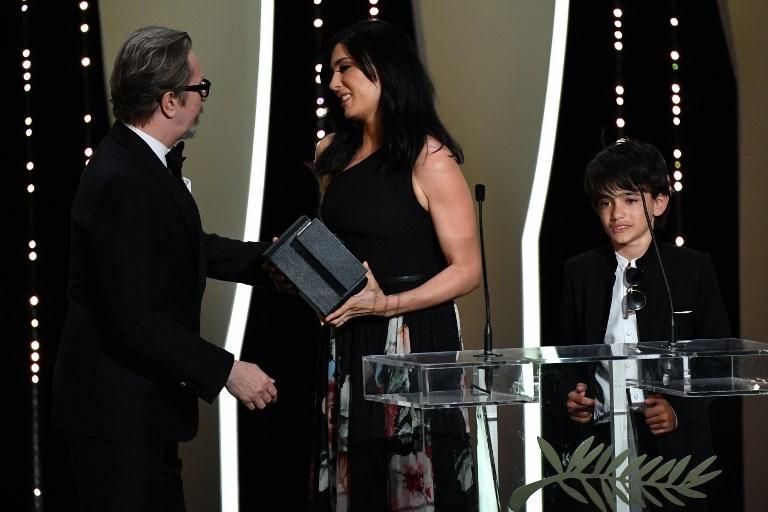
(321,110)
(531,231)
(373,9)
(675,100)
(228,445)
(33,301)
(85,62)
(618,46)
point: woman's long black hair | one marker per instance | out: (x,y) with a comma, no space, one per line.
(385,53)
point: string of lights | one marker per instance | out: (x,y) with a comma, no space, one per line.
(618,47)
(320,109)
(85,63)
(373,9)
(34,344)
(677,154)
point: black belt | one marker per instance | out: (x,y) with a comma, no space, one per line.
(398,284)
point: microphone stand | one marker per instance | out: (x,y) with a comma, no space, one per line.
(672,343)
(488,334)
(488,353)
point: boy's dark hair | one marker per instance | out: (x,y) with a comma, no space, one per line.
(627,165)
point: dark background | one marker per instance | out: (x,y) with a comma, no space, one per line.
(281,436)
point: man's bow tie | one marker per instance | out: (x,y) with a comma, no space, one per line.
(175,159)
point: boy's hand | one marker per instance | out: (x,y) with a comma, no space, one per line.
(580,408)
(659,415)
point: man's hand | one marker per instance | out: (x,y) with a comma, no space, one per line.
(249,384)
(659,415)
(580,408)
(278,278)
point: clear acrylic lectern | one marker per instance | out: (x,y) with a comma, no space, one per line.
(470,379)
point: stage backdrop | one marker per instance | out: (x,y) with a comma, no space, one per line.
(489,63)
(742,20)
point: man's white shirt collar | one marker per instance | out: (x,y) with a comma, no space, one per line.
(155,145)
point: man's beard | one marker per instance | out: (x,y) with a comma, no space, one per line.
(191,132)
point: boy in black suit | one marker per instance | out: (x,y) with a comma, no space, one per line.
(616,294)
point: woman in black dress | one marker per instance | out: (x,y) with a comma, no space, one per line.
(394,193)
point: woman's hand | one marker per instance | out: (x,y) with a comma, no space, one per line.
(370,301)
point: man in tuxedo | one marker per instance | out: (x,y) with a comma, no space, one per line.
(132,364)
(616,294)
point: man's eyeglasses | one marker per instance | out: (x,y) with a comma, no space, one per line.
(635,300)
(203,88)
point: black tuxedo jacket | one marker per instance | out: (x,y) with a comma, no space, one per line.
(586,300)
(131,363)
(588,287)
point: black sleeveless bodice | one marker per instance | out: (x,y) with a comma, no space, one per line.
(374,211)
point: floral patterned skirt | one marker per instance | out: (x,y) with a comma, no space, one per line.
(370,456)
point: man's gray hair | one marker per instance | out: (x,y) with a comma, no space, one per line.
(151,62)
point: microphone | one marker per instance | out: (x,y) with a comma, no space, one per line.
(672,330)
(488,334)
